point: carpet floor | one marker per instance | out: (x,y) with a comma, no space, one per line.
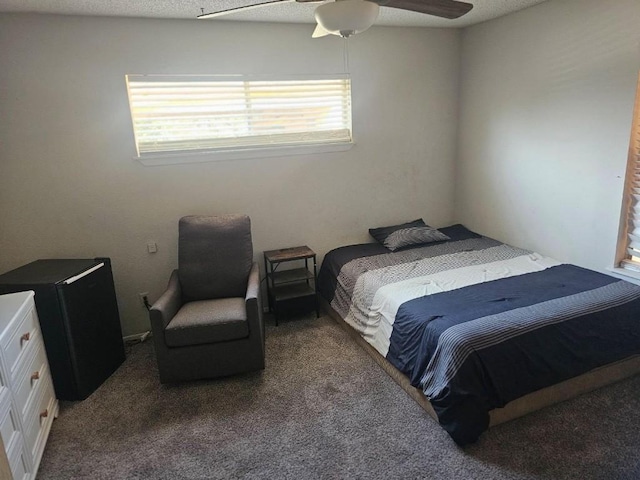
(323,409)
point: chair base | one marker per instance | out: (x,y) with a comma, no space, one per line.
(201,362)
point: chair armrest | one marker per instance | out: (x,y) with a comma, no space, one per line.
(253,285)
(253,301)
(166,307)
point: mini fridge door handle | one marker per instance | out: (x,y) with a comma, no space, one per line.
(70,280)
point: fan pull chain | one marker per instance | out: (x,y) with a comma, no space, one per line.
(346,54)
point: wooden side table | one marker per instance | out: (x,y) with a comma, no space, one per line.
(291,289)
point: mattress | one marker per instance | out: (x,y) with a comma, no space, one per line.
(475,323)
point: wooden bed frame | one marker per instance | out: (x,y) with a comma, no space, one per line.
(531,402)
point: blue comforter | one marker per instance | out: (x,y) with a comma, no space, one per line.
(477,347)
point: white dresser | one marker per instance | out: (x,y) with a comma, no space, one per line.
(27,400)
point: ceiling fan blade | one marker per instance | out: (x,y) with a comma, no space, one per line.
(450,9)
(320,32)
(251,6)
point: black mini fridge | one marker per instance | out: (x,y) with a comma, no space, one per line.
(79,319)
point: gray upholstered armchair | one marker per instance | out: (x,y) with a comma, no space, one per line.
(208,323)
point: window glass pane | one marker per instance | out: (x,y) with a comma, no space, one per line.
(207,113)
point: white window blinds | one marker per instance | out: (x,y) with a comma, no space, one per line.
(630,237)
(173,114)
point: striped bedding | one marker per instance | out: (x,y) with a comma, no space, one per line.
(475,323)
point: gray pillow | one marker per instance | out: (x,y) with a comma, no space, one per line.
(407,234)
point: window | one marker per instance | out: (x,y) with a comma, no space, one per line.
(195,114)
(629,244)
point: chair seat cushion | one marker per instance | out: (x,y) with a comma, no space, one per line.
(208,321)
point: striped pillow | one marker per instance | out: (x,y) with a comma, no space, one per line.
(407,234)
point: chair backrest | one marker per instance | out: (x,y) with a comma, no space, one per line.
(215,255)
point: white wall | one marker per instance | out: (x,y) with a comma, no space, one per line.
(70,188)
(546,105)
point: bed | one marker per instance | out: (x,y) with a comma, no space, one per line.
(478,331)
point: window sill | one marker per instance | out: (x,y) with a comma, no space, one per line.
(625,274)
(153,160)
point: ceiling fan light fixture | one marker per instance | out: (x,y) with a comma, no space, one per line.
(347,17)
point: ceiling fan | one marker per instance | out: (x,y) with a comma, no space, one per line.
(348,17)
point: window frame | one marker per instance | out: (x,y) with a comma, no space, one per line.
(623,263)
(170,157)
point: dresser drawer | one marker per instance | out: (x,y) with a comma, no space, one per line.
(33,373)
(18,461)
(38,418)
(18,337)
(11,436)
(9,426)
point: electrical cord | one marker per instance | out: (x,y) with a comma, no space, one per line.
(146,302)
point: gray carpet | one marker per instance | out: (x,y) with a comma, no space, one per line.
(323,409)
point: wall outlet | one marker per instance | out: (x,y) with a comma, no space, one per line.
(141,297)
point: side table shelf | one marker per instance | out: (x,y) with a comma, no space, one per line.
(293,288)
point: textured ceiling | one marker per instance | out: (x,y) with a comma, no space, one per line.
(287,11)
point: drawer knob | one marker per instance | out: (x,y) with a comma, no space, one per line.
(35,376)
(25,337)
(44,414)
